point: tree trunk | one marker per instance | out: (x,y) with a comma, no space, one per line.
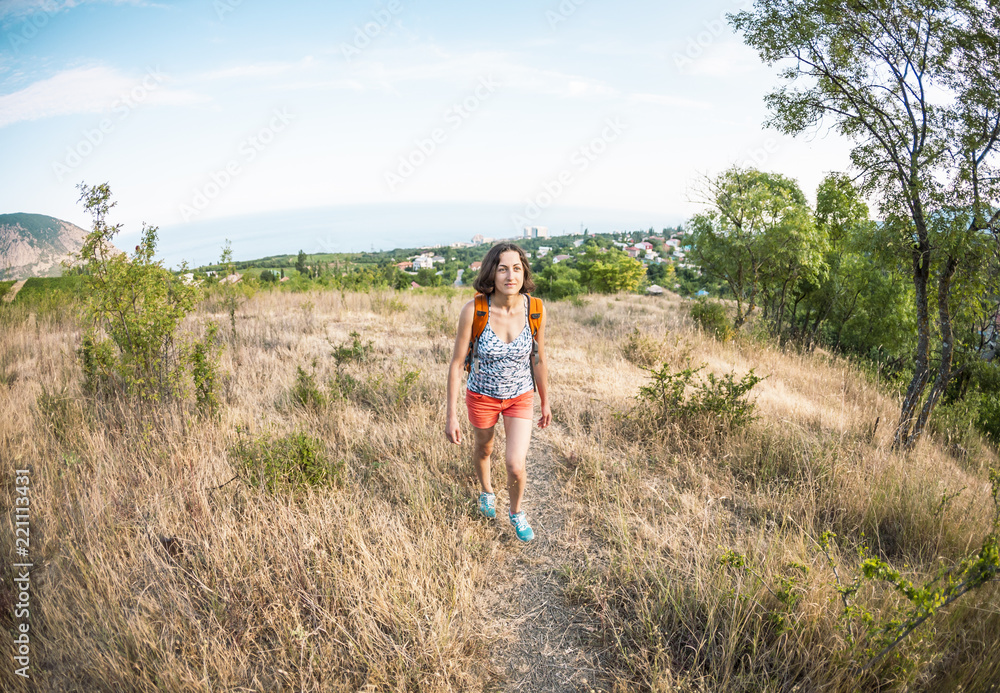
(947,349)
(914,393)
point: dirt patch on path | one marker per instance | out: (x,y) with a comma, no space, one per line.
(547,648)
(9,296)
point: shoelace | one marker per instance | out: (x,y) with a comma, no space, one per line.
(520,520)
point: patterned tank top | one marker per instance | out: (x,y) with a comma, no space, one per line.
(501,370)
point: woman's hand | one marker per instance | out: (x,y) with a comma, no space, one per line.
(452,431)
(546,417)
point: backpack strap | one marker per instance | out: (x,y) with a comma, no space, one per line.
(535,321)
(480,317)
(534,314)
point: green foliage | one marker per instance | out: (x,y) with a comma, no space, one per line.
(558,281)
(928,156)
(680,396)
(759,237)
(134,309)
(711,317)
(355,351)
(428,277)
(305,391)
(268,277)
(300,263)
(609,272)
(662,273)
(234,293)
(787,591)
(291,462)
(203,357)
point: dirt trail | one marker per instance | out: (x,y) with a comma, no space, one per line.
(9,296)
(548,651)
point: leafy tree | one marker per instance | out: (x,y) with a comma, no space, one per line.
(912,84)
(861,302)
(428,277)
(758,236)
(300,263)
(662,273)
(609,272)
(134,309)
(558,281)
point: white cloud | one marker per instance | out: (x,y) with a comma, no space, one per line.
(88,90)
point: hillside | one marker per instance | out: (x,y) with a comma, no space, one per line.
(318,533)
(34,245)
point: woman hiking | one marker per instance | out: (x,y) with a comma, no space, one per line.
(506,364)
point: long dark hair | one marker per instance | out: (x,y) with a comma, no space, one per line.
(488,271)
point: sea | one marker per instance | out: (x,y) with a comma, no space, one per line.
(376,227)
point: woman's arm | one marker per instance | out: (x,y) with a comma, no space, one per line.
(542,373)
(451,430)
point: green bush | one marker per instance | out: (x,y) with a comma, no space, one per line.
(293,461)
(711,317)
(305,391)
(679,396)
(203,357)
(135,307)
(355,351)
(988,420)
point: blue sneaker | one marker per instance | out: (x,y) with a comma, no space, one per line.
(521,526)
(488,504)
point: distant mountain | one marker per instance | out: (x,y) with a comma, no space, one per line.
(33,245)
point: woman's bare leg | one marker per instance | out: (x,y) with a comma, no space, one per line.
(518,438)
(482,449)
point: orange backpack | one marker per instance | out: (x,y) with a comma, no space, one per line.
(481,316)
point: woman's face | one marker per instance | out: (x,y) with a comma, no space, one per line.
(510,273)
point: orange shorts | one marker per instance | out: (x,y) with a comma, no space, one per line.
(484,411)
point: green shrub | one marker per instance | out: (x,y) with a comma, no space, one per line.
(135,307)
(305,390)
(203,358)
(293,461)
(679,396)
(988,420)
(711,317)
(356,351)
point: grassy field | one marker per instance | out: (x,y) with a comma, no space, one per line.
(320,534)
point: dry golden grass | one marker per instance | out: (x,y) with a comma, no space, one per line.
(149,578)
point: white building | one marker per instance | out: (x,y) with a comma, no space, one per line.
(536,231)
(544,250)
(423,262)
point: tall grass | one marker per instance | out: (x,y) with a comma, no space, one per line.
(165,560)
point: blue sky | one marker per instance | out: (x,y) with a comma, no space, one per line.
(202,111)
